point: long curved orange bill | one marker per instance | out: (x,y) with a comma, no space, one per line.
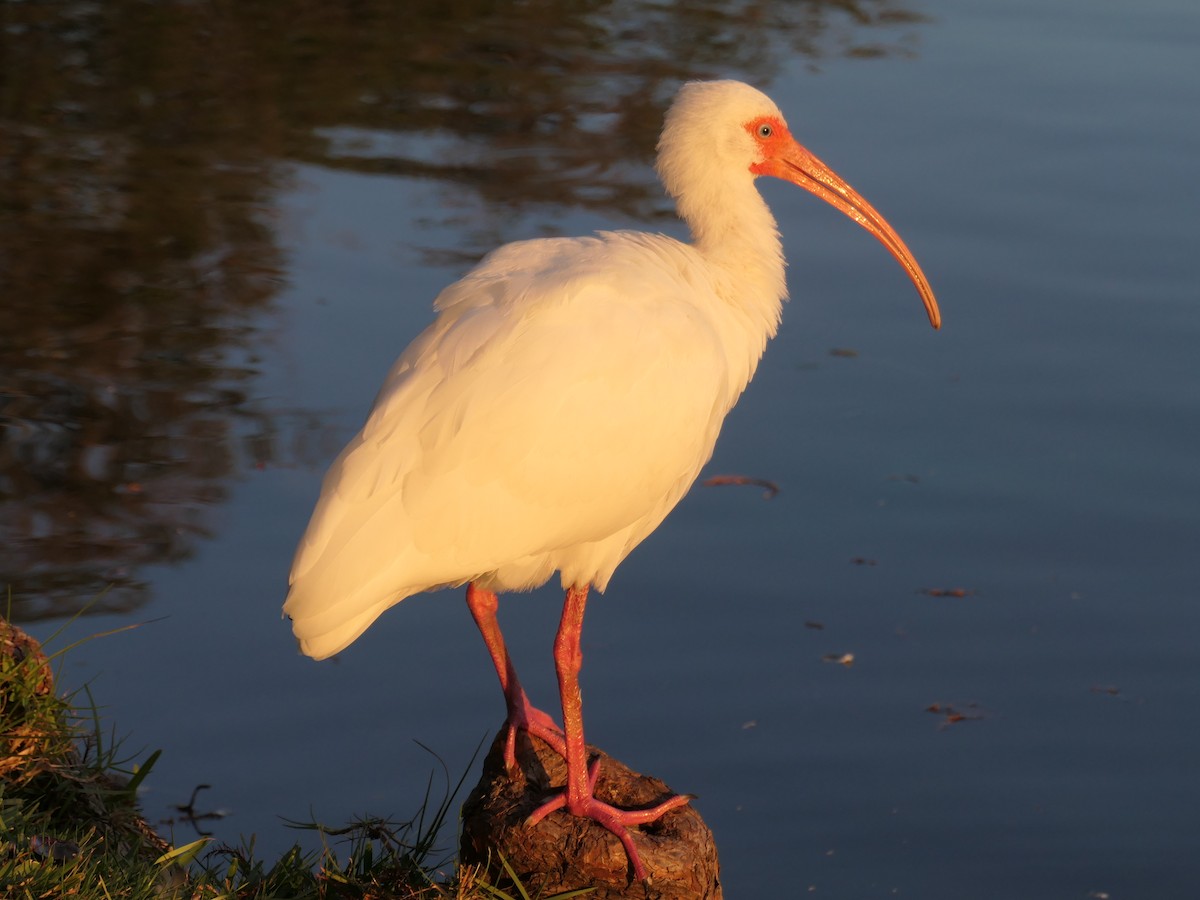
(794,163)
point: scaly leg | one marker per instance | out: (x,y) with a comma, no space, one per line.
(578,797)
(521,713)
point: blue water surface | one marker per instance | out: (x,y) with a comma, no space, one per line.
(1034,462)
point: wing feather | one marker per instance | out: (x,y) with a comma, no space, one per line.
(567,395)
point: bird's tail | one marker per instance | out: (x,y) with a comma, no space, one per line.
(325,629)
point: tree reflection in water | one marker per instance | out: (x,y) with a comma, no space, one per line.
(141,147)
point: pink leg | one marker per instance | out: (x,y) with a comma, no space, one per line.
(521,713)
(577,798)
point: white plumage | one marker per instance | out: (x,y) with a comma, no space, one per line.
(564,400)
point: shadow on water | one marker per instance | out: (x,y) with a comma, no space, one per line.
(142,145)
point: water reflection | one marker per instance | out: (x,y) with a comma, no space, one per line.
(141,153)
(560,103)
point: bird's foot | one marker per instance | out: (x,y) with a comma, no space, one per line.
(524,716)
(616,820)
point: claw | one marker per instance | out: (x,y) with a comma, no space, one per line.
(536,723)
(618,821)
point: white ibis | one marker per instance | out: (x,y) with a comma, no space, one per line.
(560,405)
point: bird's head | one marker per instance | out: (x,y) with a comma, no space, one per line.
(720,133)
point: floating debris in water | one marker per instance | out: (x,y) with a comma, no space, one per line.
(770,488)
(952,715)
(844,659)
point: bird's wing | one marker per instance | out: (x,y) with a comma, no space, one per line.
(552,404)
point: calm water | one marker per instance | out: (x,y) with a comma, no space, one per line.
(210,260)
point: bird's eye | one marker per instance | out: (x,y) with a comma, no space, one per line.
(764,130)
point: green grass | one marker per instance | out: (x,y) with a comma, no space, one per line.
(70,825)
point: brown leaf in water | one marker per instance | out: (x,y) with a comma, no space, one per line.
(843,659)
(770,488)
(951,715)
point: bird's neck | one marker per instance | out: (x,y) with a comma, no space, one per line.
(736,234)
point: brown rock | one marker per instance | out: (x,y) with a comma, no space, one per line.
(564,852)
